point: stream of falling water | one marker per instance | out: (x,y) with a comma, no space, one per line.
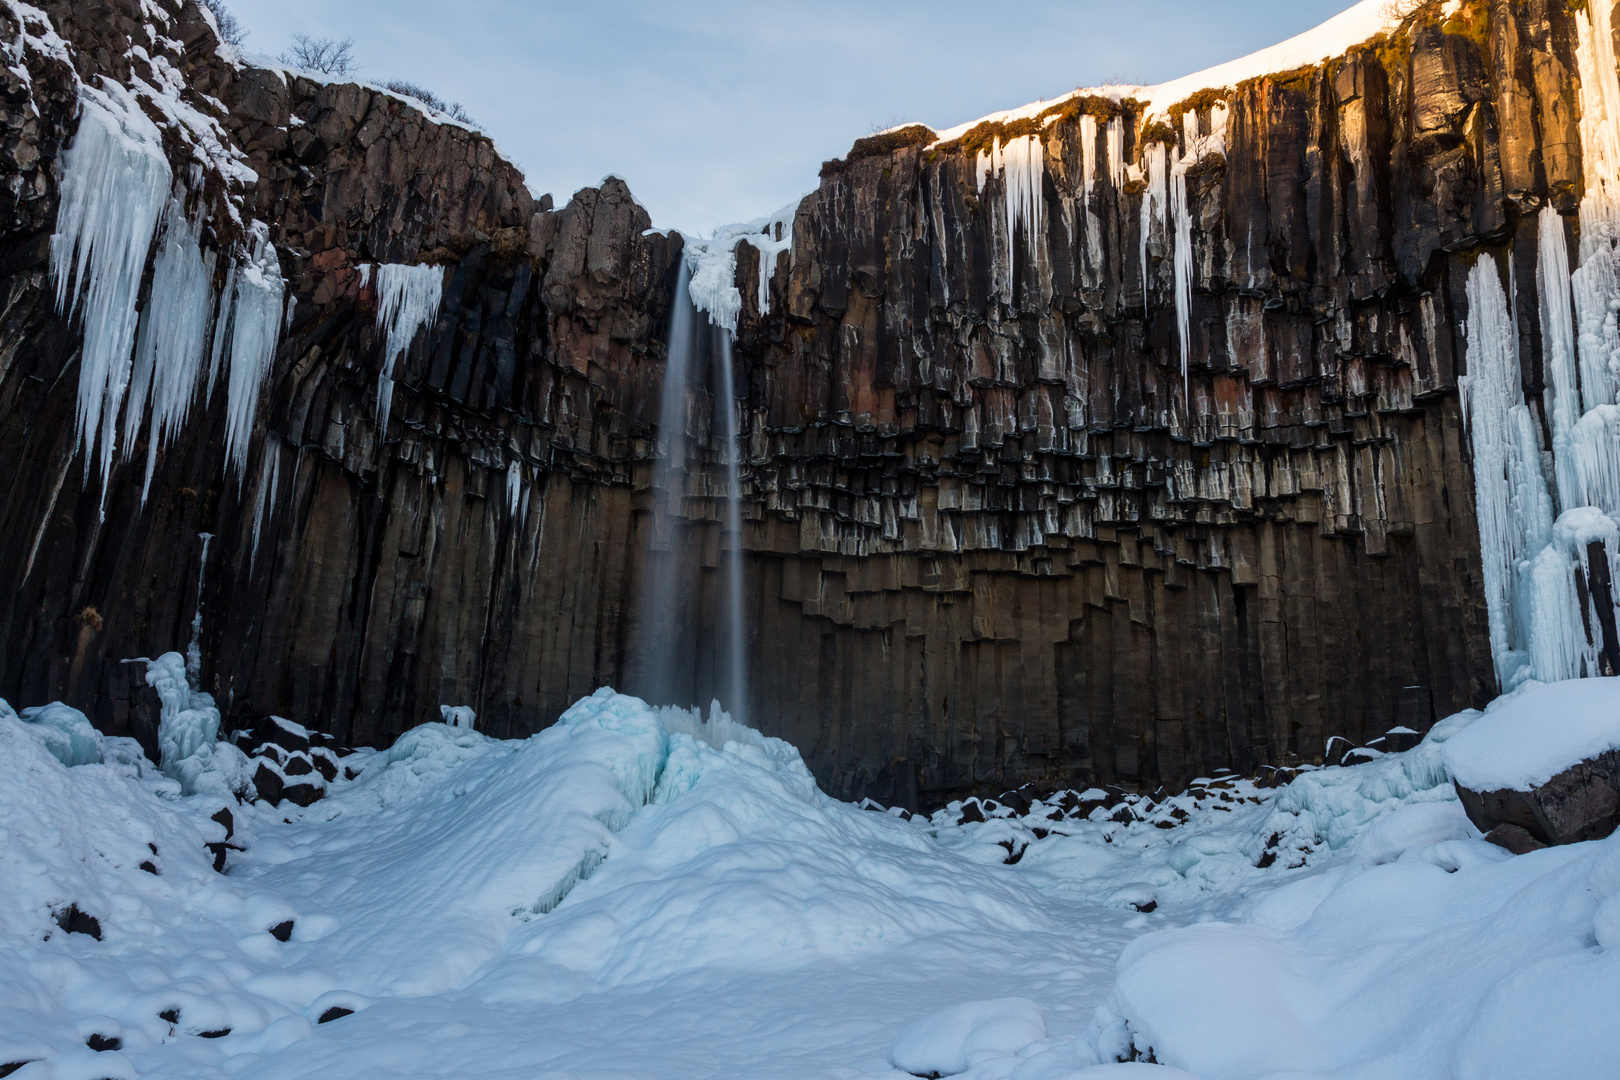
(736,627)
(661,594)
(671,582)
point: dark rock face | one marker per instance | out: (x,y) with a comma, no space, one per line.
(994,536)
(1580,803)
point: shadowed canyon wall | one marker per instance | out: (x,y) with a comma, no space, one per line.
(994,533)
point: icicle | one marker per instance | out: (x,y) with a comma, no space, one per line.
(173,343)
(1181,218)
(1088,156)
(194,650)
(1116,154)
(514,488)
(1024,174)
(115,183)
(256,307)
(269,476)
(222,330)
(1590,456)
(408,299)
(1154,160)
(1558,340)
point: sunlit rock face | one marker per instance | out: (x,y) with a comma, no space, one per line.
(1103,448)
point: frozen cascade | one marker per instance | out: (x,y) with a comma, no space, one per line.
(115,184)
(1544,594)
(1182,218)
(255,330)
(172,346)
(1511,499)
(736,627)
(408,300)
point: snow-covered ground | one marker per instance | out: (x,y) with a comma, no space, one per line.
(641,893)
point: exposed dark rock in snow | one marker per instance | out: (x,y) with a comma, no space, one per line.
(74,921)
(991,541)
(1580,803)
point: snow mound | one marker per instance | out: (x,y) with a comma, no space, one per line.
(1525,739)
(955,1040)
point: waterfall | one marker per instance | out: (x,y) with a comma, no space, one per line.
(736,628)
(706,283)
(660,593)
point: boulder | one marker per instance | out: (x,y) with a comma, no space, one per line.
(1580,803)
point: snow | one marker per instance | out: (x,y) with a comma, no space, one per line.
(115,185)
(659,892)
(408,299)
(958,1038)
(1525,739)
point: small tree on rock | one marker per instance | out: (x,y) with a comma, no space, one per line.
(328,56)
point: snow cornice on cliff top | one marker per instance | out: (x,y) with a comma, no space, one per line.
(1360,23)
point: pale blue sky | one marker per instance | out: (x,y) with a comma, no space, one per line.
(723,110)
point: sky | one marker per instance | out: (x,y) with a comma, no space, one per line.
(717,111)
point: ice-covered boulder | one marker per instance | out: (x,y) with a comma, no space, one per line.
(1543,762)
(66,732)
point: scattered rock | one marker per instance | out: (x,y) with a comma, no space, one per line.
(282,931)
(336,1012)
(103,1043)
(10,1067)
(75,921)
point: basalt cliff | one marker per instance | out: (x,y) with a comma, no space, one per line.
(1103,443)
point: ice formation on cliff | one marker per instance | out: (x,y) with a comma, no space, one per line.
(408,299)
(172,347)
(1536,545)
(115,184)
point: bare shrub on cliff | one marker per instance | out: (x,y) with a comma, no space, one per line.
(452,109)
(329,56)
(230,30)
(1396,11)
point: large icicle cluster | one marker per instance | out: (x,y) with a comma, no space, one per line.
(408,299)
(1546,605)
(1021,164)
(173,343)
(115,184)
(119,196)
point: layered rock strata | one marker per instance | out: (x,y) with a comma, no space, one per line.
(1024,503)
